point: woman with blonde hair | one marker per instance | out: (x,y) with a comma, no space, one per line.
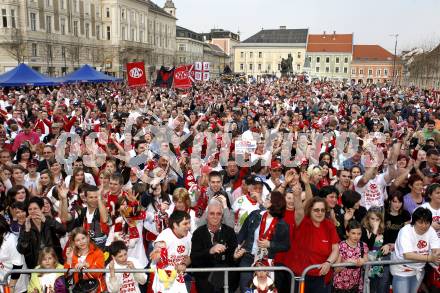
(49,282)
(104,180)
(315,175)
(182,202)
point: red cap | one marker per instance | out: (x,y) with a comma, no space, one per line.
(275,165)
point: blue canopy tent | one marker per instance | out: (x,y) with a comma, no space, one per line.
(23,75)
(87,74)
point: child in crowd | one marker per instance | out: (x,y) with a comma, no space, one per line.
(47,282)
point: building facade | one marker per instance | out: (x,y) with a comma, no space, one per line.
(423,69)
(329,56)
(374,64)
(225,40)
(190,46)
(262,53)
(58,36)
(217,59)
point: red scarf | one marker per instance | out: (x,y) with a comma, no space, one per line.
(251,200)
(270,231)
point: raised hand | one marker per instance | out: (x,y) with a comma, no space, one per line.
(62,191)
(305,178)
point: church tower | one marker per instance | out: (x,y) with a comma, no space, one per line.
(170,8)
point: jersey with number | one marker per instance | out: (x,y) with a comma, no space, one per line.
(177,250)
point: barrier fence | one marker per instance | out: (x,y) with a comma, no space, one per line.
(367,265)
(225,270)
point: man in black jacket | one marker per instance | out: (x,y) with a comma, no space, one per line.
(215,245)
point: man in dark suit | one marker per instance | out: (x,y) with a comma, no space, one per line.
(215,245)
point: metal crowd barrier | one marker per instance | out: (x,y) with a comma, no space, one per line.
(4,281)
(367,265)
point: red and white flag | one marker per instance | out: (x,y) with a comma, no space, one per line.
(182,77)
(201,70)
(136,75)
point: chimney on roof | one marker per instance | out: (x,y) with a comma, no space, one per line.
(283,27)
(334,35)
(323,36)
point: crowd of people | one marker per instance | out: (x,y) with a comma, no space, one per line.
(310,172)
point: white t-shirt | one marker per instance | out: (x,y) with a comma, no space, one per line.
(373,193)
(178,249)
(126,282)
(9,257)
(409,241)
(135,246)
(435,214)
(243,207)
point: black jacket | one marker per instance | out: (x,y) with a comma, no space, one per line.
(30,243)
(201,244)
(280,239)
(201,258)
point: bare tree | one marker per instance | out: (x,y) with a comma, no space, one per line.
(15,44)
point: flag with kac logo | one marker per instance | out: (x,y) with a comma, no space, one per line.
(182,76)
(136,75)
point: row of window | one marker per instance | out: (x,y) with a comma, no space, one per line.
(379,72)
(125,34)
(193,49)
(327,69)
(124,15)
(63,26)
(260,54)
(75,5)
(47,51)
(328,59)
(260,66)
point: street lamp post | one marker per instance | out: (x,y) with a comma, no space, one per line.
(394,58)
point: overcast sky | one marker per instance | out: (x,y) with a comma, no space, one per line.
(416,21)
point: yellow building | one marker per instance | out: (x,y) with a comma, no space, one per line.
(262,53)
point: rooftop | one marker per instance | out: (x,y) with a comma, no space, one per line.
(216,50)
(279,36)
(156,8)
(221,34)
(337,43)
(371,53)
(182,32)
(169,4)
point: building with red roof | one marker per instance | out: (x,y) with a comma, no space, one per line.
(374,64)
(329,56)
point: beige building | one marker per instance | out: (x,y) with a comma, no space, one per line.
(57,36)
(329,56)
(262,53)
